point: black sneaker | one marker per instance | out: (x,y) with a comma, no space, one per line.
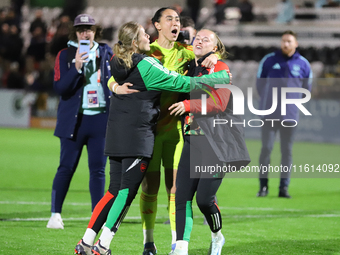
(263,192)
(82,248)
(150,249)
(284,193)
(97,249)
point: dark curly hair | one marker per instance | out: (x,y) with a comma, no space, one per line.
(95,28)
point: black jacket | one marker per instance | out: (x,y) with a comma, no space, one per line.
(227,141)
(132,118)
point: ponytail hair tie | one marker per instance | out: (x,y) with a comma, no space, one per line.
(120,43)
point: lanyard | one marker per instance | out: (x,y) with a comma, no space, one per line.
(98,77)
(98,73)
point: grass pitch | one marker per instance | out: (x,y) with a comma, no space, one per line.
(309,223)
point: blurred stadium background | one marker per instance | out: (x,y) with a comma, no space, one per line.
(306,224)
(26,70)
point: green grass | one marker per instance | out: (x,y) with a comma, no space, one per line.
(309,223)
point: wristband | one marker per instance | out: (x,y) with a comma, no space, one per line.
(114,87)
(186,105)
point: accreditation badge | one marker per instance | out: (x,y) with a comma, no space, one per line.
(92,98)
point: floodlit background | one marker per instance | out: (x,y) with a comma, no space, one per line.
(309,223)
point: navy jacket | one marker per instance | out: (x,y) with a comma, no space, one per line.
(278,70)
(69,84)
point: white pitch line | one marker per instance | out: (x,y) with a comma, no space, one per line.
(39,203)
(159,205)
(196,217)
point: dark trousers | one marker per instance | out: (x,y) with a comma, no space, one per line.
(196,151)
(126,175)
(90,133)
(268,134)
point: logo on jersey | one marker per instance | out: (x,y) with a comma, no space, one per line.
(143,167)
(277,66)
(296,70)
(206,88)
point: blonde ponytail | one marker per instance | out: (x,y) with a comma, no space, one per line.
(221,48)
(123,49)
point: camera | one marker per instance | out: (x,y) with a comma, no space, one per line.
(183,35)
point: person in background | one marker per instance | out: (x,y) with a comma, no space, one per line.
(80,81)
(12,45)
(15,80)
(286,12)
(73,8)
(220,6)
(38,22)
(38,46)
(327,3)
(177,8)
(246,10)
(187,24)
(204,146)
(16,5)
(11,17)
(282,68)
(131,129)
(60,38)
(320,3)
(194,7)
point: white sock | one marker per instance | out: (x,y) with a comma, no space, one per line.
(174,236)
(148,235)
(55,213)
(217,234)
(106,237)
(89,236)
(182,245)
